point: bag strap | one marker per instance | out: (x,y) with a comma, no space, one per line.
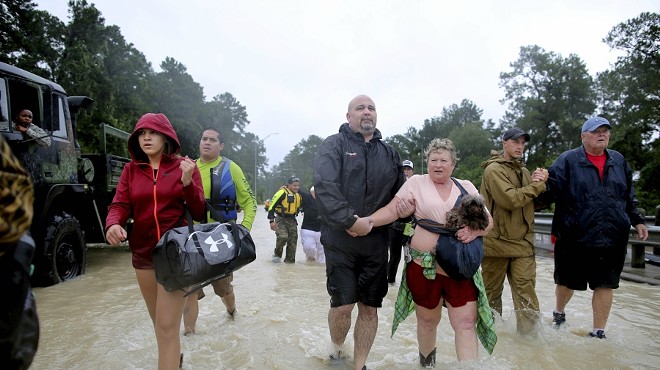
(437,228)
(237,237)
(191,228)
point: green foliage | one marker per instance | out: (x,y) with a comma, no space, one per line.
(630,97)
(463,125)
(549,97)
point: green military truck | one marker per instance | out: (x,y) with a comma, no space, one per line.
(72,190)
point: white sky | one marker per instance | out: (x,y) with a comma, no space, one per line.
(295,64)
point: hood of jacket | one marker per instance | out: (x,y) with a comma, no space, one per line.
(498,157)
(157,122)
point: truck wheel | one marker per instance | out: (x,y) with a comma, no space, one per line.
(65,251)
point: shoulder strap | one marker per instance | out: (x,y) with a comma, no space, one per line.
(462,189)
(224,167)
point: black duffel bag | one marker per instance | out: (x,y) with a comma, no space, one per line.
(191,257)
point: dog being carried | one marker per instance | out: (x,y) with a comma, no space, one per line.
(471,212)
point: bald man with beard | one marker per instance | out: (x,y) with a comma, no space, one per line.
(355,174)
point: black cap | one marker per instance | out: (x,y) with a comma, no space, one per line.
(293,179)
(514,134)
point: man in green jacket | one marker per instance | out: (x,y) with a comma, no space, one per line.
(509,192)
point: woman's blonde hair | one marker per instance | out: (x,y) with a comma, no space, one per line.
(438,144)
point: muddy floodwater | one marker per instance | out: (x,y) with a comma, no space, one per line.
(99,321)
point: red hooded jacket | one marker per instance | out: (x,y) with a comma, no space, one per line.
(155,204)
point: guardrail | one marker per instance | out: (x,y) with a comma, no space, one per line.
(543,225)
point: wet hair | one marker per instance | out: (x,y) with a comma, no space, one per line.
(438,144)
(221,138)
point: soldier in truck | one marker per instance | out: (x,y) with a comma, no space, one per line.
(23,123)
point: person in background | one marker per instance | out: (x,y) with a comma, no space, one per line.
(154,189)
(355,173)
(595,206)
(19,323)
(284,207)
(509,191)
(399,234)
(225,190)
(23,123)
(425,286)
(310,230)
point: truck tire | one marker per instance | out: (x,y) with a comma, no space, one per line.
(65,251)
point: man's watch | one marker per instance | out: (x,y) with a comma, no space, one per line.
(272,221)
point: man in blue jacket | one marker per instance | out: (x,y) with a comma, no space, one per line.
(355,174)
(595,206)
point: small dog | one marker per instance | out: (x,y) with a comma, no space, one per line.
(471,212)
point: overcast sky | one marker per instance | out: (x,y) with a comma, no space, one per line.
(295,65)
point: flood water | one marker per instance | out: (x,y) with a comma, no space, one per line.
(99,321)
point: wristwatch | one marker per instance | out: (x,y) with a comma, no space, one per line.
(272,221)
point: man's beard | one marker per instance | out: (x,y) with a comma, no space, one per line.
(367,127)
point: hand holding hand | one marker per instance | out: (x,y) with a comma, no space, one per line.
(405,208)
(115,234)
(187,166)
(540,174)
(361,227)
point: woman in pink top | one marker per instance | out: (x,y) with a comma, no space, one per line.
(430,197)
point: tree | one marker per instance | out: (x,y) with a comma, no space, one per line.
(176,94)
(549,97)
(97,62)
(410,147)
(463,125)
(630,98)
(29,38)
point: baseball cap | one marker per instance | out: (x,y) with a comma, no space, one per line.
(407,163)
(293,179)
(514,133)
(594,123)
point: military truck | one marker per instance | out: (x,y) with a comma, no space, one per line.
(72,190)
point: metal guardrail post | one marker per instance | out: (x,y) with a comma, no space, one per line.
(656,250)
(543,225)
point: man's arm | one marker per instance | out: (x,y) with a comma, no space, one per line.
(505,194)
(276,201)
(39,135)
(244,196)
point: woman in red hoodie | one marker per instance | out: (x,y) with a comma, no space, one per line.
(152,189)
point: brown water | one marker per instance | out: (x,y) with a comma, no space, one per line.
(99,321)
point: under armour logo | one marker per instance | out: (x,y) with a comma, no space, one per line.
(214,243)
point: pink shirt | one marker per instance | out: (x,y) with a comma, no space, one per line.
(429,204)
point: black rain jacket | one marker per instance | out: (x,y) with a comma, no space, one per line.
(353,177)
(589,211)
